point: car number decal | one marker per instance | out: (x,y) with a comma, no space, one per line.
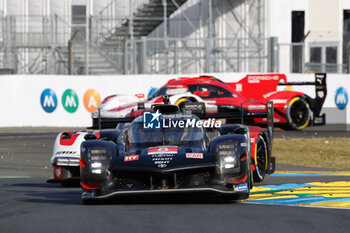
(194,155)
(162,150)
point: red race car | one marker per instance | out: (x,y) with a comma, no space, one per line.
(293,110)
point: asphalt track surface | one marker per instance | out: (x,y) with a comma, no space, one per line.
(29,204)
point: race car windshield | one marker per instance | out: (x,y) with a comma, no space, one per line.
(167,91)
(168,134)
(160,92)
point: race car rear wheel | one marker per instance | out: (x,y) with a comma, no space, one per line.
(260,159)
(298,113)
(181,103)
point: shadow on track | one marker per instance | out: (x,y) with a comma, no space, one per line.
(168,199)
(43,193)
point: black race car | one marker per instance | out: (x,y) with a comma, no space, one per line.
(133,159)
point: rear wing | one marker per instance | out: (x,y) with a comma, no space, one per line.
(254,86)
(320,93)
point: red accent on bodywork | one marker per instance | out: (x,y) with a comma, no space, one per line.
(254,133)
(135,113)
(158,100)
(170,86)
(201,93)
(244,157)
(140,95)
(68,139)
(122,107)
(240,181)
(108,98)
(57,172)
(89,185)
(254,86)
(97,135)
(82,163)
(162,150)
(131,158)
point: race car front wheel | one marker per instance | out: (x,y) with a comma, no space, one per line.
(298,113)
(260,159)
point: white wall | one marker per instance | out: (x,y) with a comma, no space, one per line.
(20,95)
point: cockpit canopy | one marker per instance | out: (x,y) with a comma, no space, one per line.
(176,129)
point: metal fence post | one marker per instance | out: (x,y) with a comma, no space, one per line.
(165,20)
(207,55)
(273,52)
(141,56)
(238,55)
(125,71)
(131,33)
(176,69)
(70,58)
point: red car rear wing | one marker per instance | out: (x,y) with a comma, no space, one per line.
(256,86)
(320,93)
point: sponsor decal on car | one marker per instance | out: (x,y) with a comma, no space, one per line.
(57,172)
(131,158)
(194,155)
(256,79)
(162,160)
(241,187)
(256,107)
(279,101)
(239,87)
(65,152)
(162,150)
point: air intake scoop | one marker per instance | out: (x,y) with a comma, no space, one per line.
(165,108)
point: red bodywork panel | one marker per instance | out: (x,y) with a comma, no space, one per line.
(254,133)
(68,139)
(108,98)
(255,86)
(253,91)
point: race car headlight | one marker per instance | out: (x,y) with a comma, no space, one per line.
(228,162)
(228,158)
(96,165)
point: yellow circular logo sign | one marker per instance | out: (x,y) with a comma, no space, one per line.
(92,100)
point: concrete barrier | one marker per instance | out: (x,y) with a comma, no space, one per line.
(48,100)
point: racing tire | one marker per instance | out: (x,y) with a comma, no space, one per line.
(251,180)
(260,159)
(181,103)
(298,113)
